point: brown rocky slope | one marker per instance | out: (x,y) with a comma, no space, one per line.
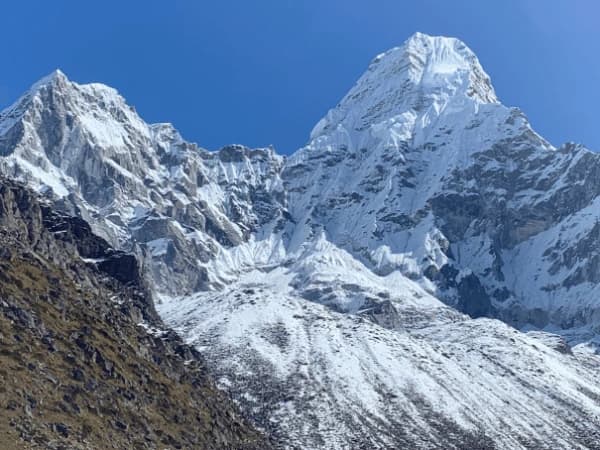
(85,362)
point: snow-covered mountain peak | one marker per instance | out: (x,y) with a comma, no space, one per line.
(448,61)
(423,77)
(58,80)
(56,77)
(55,98)
(62,128)
(336,270)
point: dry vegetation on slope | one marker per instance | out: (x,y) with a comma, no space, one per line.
(77,370)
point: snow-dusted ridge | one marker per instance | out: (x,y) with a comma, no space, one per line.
(328,290)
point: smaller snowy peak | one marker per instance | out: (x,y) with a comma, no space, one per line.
(11,115)
(57,77)
(94,110)
(85,96)
(60,132)
(426,72)
(55,93)
(59,80)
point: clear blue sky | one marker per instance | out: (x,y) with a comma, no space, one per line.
(262,72)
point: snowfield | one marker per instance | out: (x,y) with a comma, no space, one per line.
(320,378)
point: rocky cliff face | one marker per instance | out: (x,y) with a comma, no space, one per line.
(328,290)
(141,187)
(85,360)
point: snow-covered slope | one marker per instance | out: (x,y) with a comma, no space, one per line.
(329,289)
(401,370)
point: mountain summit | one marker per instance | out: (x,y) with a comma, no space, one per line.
(423,273)
(424,76)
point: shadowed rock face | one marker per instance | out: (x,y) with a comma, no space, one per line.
(85,362)
(119,265)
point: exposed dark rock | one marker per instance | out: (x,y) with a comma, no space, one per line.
(472,297)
